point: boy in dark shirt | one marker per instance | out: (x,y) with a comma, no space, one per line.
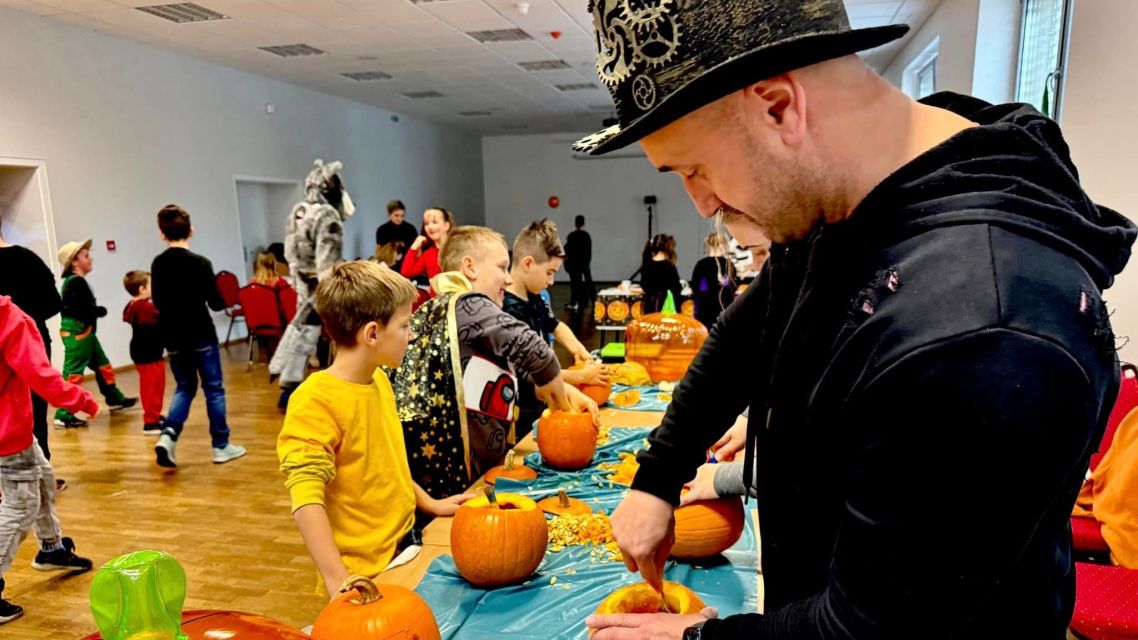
(81,348)
(537,259)
(184,286)
(146,349)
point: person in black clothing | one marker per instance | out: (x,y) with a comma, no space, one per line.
(931,310)
(31,285)
(658,273)
(712,282)
(183,286)
(396,229)
(578,258)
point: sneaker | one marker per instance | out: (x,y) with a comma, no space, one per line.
(9,611)
(70,423)
(60,559)
(228,452)
(152,428)
(126,403)
(60,485)
(165,451)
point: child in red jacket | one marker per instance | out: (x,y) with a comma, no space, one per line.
(27,480)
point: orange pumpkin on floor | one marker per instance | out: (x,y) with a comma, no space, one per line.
(510,469)
(566,439)
(498,539)
(562,505)
(707,528)
(598,392)
(642,598)
(366,611)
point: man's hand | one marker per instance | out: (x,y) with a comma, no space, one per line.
(649,626)
(644,528)
(702,487)
(732,442)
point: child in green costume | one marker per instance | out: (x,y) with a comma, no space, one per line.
(81,348)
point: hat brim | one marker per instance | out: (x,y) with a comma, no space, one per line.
(86,244)
(736,73)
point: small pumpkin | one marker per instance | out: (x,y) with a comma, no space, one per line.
(365,610)
(566,439)
(598,392)
(626,398)
(498,539)
(562,505)
(642,598)
(510,469)
(707,528)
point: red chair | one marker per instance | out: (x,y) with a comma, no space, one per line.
(228,286)
(287,297)
(262,316)
(1106,602)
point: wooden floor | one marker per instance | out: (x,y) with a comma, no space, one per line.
(228,525)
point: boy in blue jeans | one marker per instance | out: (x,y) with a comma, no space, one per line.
(183,285)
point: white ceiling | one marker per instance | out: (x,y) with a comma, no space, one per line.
(423,46)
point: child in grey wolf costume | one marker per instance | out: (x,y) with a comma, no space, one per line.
(313,244)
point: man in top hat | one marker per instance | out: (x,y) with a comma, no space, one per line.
(928,359)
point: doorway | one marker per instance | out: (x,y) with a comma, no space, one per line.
(263,205)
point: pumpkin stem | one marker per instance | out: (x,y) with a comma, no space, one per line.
(510,460)
(489,491)
(562,499)
(369,593)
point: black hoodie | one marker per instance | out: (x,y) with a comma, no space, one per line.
(927,381)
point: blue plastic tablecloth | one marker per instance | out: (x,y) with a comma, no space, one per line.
(541,609)
(649,398)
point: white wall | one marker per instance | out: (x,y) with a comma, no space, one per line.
(1098,122)
(523,171)
(997,50)
(955,21)
(125,128)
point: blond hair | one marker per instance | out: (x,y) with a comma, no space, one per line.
(467,241)
(265,269)
(359,292)
(540,241)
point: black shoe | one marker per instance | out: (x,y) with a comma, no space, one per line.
(126,403)
(152,428)
(70,423)
(60,485)
(61,559)
(9,611)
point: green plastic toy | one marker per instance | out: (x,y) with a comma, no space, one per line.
(669,305)
(139,596)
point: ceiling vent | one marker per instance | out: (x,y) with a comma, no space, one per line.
(579,86)
(422,95)
(544,65)
(366,76)
(183,12)
(292,50)
(499,35)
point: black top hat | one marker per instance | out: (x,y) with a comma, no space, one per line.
(663,59)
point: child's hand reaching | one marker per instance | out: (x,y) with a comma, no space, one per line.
(702,487)
(583,403)
(581,354)
(448,506)
(594,373)
(552,394)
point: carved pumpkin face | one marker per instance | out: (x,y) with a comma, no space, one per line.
(665,343)
(642,598)
(566,439)
(498,543)
(375,611)
(707,528)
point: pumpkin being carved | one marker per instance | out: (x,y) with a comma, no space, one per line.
(598,392)
(511,468)
(707,528)
(562,505)
(642,598)
(498,542)
(366,611)
(566,439)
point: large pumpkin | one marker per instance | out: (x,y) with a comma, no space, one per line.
(366,611)
(566,439)
(598,392)
(232,625)
(510,469)
(665,343)
(707,528)
(497,543)
(642,598)
(562,505)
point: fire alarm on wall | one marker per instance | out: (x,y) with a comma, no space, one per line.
(110,245)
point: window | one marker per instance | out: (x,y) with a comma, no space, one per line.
(1043,49)
(919,77)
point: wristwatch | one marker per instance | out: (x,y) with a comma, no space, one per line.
(694,632)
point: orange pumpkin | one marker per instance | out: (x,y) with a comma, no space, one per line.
(562,505)
(363,611)
(665,343)
(626,398)
(642,598)
(598,392)
(566,439)
(707,528)
(511,469)
(201,624)
(498,542)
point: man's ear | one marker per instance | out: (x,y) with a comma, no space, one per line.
(779,104)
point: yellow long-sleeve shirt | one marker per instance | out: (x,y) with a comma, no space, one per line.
(342,446)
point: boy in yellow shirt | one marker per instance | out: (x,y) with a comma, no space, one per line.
(341,446)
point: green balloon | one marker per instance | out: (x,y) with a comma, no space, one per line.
(139,596)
